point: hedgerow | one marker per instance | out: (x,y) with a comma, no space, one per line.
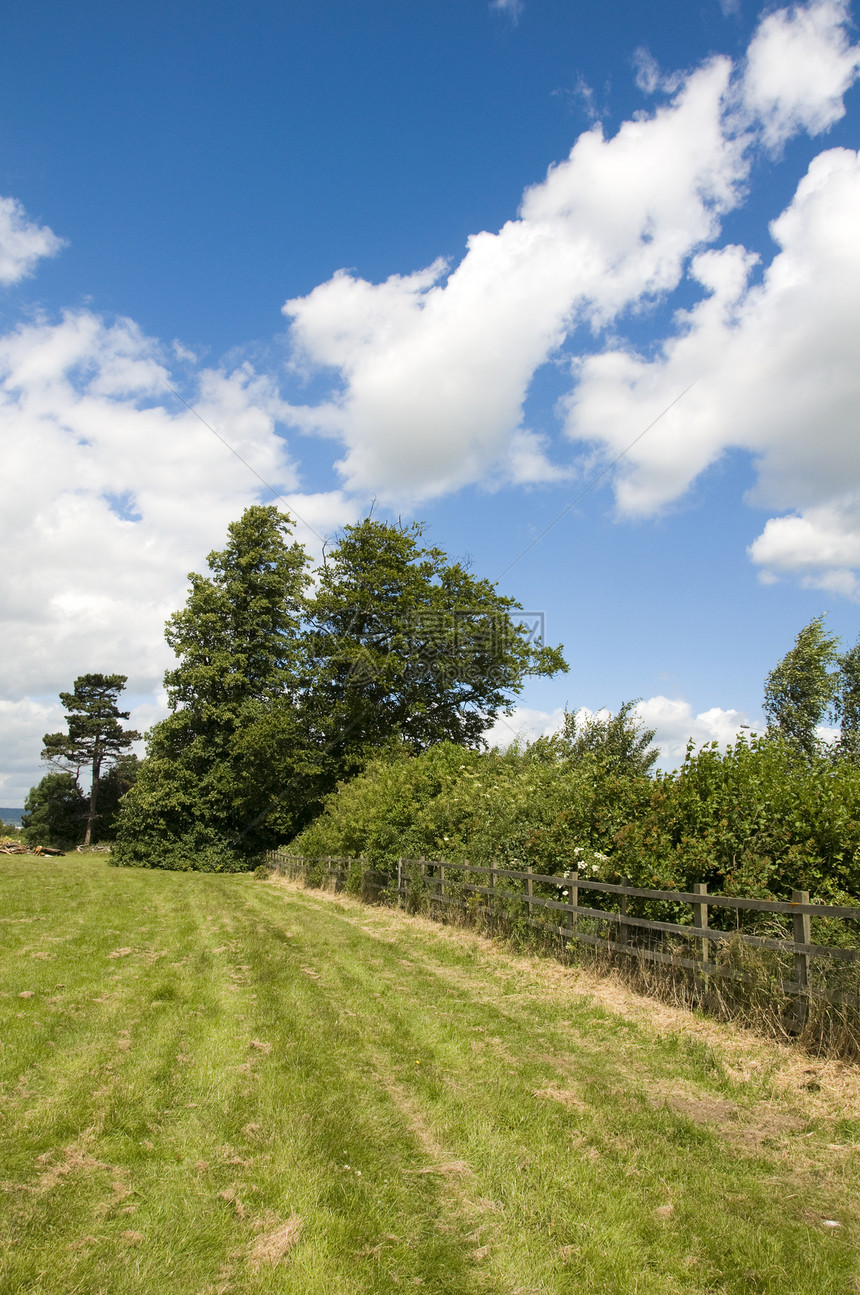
(759,818)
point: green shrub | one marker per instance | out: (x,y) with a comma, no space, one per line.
(759,819)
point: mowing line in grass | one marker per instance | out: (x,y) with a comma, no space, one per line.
(216,1084)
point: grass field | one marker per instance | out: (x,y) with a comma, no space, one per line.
(216,1084)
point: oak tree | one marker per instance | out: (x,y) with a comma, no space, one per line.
(405,646)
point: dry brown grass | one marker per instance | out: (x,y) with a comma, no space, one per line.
(271,1246)
(566,1096)
(75,1159)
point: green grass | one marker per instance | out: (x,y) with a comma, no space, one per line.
(204,1059)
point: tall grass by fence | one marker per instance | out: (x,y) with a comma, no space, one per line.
(800,959)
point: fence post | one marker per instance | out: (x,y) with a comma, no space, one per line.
(529,890)
(399,882)
(802,923)
(700,918)
(622,908)
(441,879)
(492,888)
(574,899)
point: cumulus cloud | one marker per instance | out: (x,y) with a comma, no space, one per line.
(22,242)
(436,365)
(775,372)
(120,490)
(676,724)
(821,547)
(674,721)
(799,65)
(431,370)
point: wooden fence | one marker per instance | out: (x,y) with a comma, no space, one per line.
(690,945)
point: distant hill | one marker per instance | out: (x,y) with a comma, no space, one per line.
(12,816)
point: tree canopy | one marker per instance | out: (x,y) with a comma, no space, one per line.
(847,704)
(237,642)
(55,812)
(279,693)
(237,637)
(801,690)
(405,646)
(619,742)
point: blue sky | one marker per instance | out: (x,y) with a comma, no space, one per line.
(509,236)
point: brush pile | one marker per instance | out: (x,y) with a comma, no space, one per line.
(16,847)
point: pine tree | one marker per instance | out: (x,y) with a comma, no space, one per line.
(95,738)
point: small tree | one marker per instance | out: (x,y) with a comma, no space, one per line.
(801,691)
(620,742)
(848,703)
(55,812)
(95,737)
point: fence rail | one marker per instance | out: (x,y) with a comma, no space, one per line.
(619,930)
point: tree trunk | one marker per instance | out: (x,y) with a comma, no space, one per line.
(91,816)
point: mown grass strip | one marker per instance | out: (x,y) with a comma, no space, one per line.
(216,1084)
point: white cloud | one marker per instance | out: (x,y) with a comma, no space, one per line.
(436,369)
(673,720)
(799,65)
(119,491)
(431,370)
(22,243)
(821,547)
(775,372)
(23,724)
(675,725)
(512,8)
(647,70)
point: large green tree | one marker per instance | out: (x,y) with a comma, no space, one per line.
(95,738)
(113,786)
(800,692)
(406,647)
(276,695)
(203,791)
